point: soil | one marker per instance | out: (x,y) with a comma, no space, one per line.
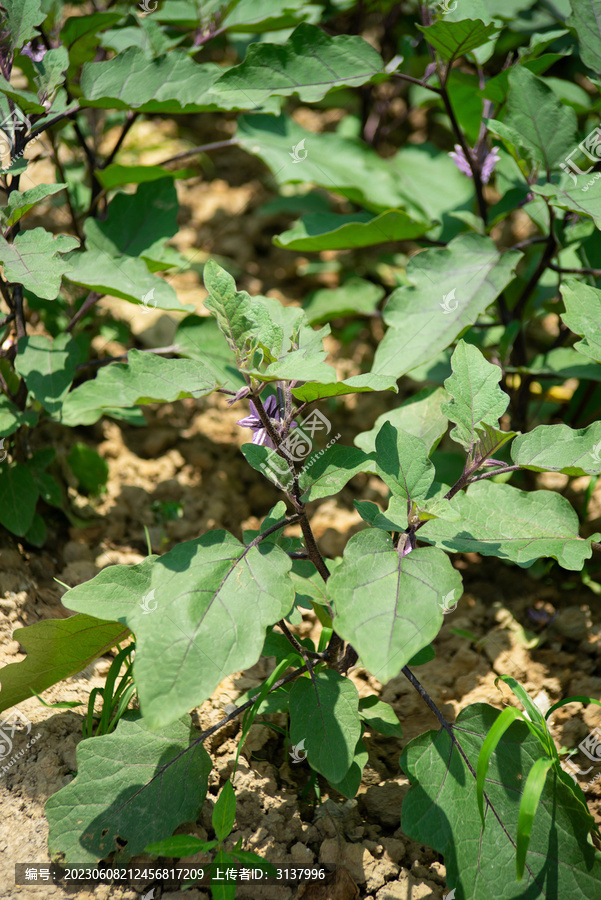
(189,455)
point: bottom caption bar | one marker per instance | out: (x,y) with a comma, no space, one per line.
(167,876)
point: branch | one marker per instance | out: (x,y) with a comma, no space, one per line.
(429,87)
(131,118)
(65,115)
(203,148)
(87,304)
(595,272)
(543,264)
(473,162)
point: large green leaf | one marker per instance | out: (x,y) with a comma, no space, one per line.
(475,392)
(136,224)
(56,649)
(309,64)
(199,337)
(12,418)
(389,606)
(420,415)
(327,474)
(586,21)
(33,261)
(439,810)
(199,613)
(124,277)
(252,16)
(583,315)
(18,498)
(451,287)
(142,798)
(319,231)
(539,122)
(340,164)
(144,378)
(171,84)
(500,520)
(431,182)
(324,715)
(453,39)
(48,367)
(558,448)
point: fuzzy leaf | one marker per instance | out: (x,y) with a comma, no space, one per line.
(583,315)
(558,448)
(586,21)
(453,39)
(583,197)
(329,231)
(500,520)
(356,297)
(22,19)
(19,203)
(139,803)
(48,367)
(439,808)
(199,613)
(33,260)
(18,498)
(386,605)
(324,713)
(356,384)
(451,287)
(420,415)
(476,395)
(403,464)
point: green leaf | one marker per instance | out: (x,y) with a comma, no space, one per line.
(475,392)
(423,656)
(321,231)
(453,39)
(324,715)
(202,609)
(380,716)
(356,384)
(586,21)
(420,415)
(224,812)
(136,224)
(542,125)
(394,519)
(18,498)
(33,261)
(124,277)
(351,782)
(117,175)
(439,810)
(339,164)
(90,469)
(12,418)
(582,315)
(500,726)
(356,297)
(56,649)
(528,806)
(22,19)
(51,71)
(173,83)
(500,520)
(48,367)
(451,287)
(583,198)
(309,64)
(386,605)
(141,800)
(145,378)
(199,337)
(261,16)
(19,203)
(403,464)
(558,448)
(431,183)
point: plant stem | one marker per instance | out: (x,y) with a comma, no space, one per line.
(88,303)
(203,148)
(409,78)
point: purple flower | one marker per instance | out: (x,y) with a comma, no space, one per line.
(37,54)
(488,164)
(253,421)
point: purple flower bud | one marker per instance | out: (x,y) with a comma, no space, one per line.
(37,53)
(253,421)
(488,164)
